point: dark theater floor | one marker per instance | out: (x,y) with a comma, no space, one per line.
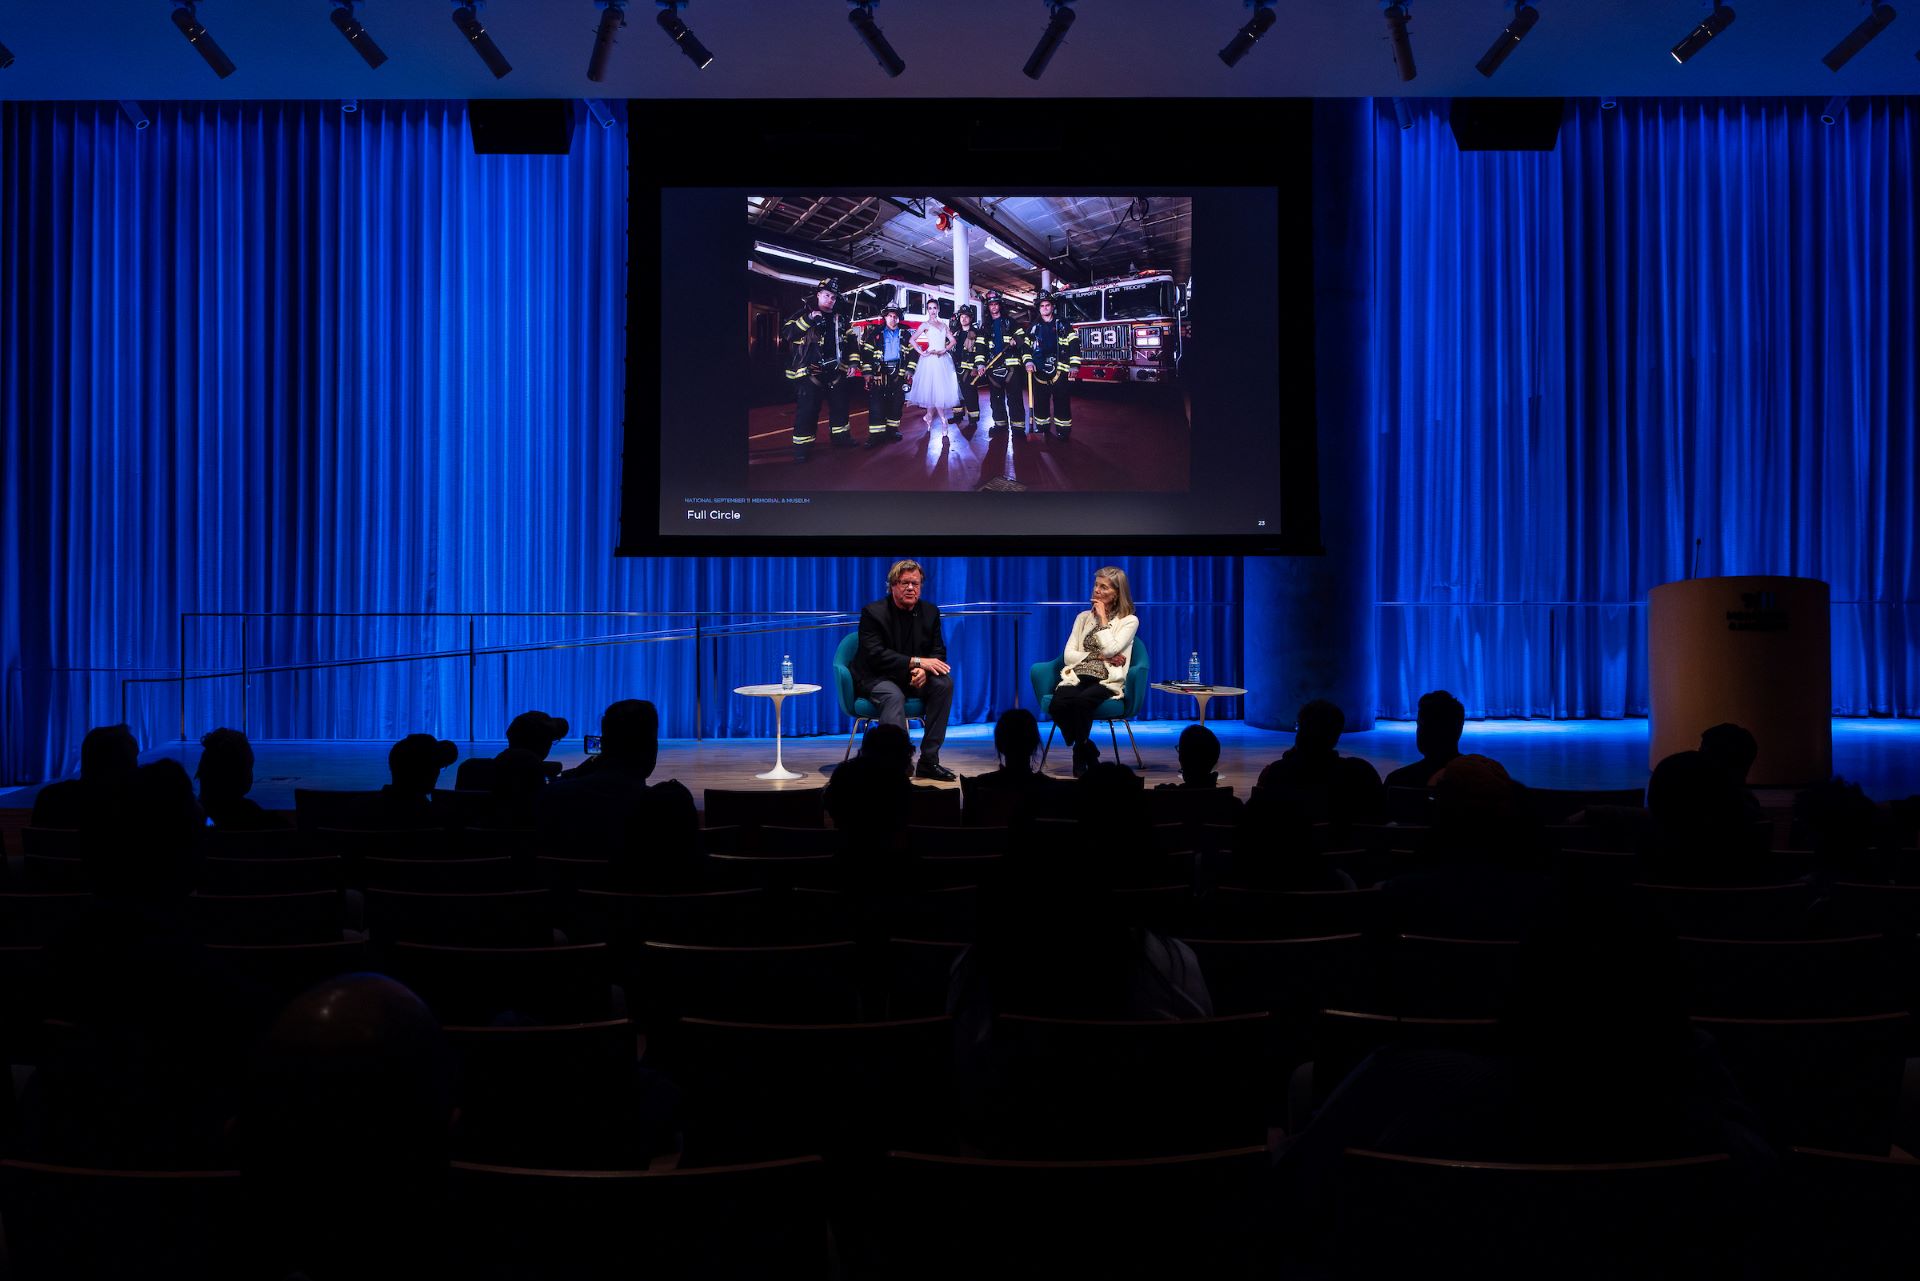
(1125,440)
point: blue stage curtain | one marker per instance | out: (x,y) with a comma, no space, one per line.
(269,357)
(1692,319)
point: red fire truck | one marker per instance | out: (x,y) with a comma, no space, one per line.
(1133,329)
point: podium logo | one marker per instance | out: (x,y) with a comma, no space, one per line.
(1758,612)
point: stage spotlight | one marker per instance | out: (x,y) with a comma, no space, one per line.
(601,113)
(6,57)
(613,16)
(349,106)
(1397,19)
(689,43)
(468,21)
(1050,39)
(1524,16)
(1403,113)
(349,26)
(136,114)
(1608,102)
(1710,26)
(1879,18)
(1258,25)
(1836,107)
(861,16)
(189,24)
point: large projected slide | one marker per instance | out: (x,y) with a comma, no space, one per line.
(969,363)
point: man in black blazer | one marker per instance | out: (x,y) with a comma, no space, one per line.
(901,650)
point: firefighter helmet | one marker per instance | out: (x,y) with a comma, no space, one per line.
(830,284)
(1045,295)
(894,308)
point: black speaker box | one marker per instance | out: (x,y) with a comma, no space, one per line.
(1506,124)
(521,126)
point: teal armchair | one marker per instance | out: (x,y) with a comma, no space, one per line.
(1046,676)
(863,710)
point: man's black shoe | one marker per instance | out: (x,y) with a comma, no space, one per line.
(800,453)
(935,771)
(873,440)
(843,440)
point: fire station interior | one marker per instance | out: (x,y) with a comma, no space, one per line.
(1119,267)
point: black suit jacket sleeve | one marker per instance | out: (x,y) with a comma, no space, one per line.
(879,662)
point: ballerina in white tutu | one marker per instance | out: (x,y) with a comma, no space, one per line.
(935,388)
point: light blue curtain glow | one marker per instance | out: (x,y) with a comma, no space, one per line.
(277,357)
(1692,319)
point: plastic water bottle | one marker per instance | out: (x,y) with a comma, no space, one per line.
(1193,668)
(786,671)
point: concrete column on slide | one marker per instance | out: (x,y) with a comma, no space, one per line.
(1310,625)
(1756,651)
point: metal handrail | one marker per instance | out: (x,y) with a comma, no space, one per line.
(806,620)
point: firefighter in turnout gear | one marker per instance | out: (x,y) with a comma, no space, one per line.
(888,358)
(1002,343)
(969,354)
(1053,353)
(823,358)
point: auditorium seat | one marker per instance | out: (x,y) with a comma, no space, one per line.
(287,969)
(54,842)
(1432,977)
(1732,912)
(790,807)
(956,842)
(21,1006)
(731,839)
(1855,1214)
(944,871)
(1820,1082)
(1812,978)
(1598,869)
(445,875)
(813,982)
(1290,978)
(357,843)
(311,917)
(557,1096)
(1165,909)
(919,974)
(519,918)
(269,842)
(1341,1038)
(27,917)
(1240,912)
(51,874)
(930,806)
(628,919)
(1098,1089)
(734,1223)
(776,841)
(749,871)
(761,1090)
(314,808)
(489,842)
(477,985)
(945,915)
(1892,910)
(1404,1216)
(272,875)
(1192,807)
(70,1224)
(1380,837)
(962,1218)
(1550,805)
(565,875)
(457,809)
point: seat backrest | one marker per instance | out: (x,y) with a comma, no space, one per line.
(777,841)
(1134,692)
(37,919)
(680,1224)
(56,842)
(1855,1214)
(288,969)
(519,918)
(1417,1216)
(1185,1216)
(627,920)
(312,917)
(1341,1038)
(793,807)
(1810,978)
(445,875)
(1098,1089)
(839,1089)
(271,875)
(843,671)
(1823,1082)
(1238,912)
(816,982)
(82,1224)
(919,974)
(557,1095)
(957,842)
(266,842)
(314,808)
(1291,978)
(53,874)
(746,871)
(476,986)
(1735,912)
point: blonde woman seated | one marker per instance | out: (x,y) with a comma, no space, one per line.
(1095,670)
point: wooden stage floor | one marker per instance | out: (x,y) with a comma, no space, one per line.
(1883,756)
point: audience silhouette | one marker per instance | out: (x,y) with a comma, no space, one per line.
(1316,780)
(606,807)
(108,756)
(1442,717)
(1198,749)
(226,776)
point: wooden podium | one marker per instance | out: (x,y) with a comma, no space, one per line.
(1755,651)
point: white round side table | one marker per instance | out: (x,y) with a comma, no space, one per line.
(776,693)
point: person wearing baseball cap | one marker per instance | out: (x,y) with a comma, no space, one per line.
(530,734)
(415,763)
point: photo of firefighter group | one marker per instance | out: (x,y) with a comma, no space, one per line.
(969,343)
